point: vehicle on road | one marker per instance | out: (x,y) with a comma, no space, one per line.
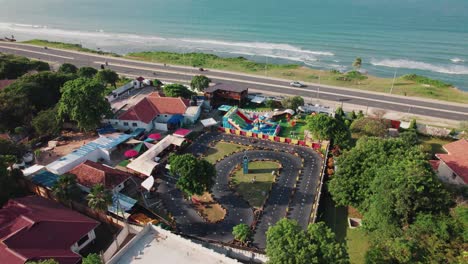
(297,84)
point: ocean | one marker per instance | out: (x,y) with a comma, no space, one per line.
(427,37)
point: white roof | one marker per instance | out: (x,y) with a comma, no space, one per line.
(145,163)
(258,99)
(33,170)
(148,183)
(157,245)
(192,110)
(404,124)
(209,122)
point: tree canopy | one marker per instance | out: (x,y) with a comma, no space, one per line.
(288,243)
(12,67)
(324,127)
(241,232)
(200,82)
(292,102)
(46,122)
(83,101)
(68,68)
(99,198)
(357,63)
(92,258)
(107,76)
(177,90)
(195,176)
(66,188)
(9,187)
(367,126)
(46,261)
(87,72)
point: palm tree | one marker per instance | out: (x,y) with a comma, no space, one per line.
(65,189)
(357,63)
(99,198)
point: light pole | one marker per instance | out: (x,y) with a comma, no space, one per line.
(266,66)
(393,82)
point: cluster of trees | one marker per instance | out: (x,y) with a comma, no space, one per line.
(405,207)
(325,127)
(92,258)
(178,90)
(195,176)
(200,83)
(10,153)
(288,243)
(12,67)
(292,102)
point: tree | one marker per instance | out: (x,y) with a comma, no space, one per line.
(9,187)
(68,68)
(360,114)
(12,67)
(200,83)
(357,63)
(177,90)
(15,110)
(324,127)
(46,261)
(241,232)
(87,72)
(83,101)
(194,176)
(270,104)
(413,124)
(66,189)
(92,258)
(367,126)
(353,115)
(46,123)
(292,102)
(410,137)
(288,243)
(99,198)
(107,76)
(339,113)
(8,147)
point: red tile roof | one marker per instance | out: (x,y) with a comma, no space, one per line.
(91,173)
(5,136)
(5,83)
(34,228)
(434,164)
(154,104)
(457,158)
(140,79)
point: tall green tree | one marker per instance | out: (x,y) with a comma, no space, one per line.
(241,232)
(83,101)
(177,90)
(324,127)
(92,258)
(15,110)
(367,126)
(68,68)
(87,72)
(107,76)
(46,123)
(357,63)
(200,82)
(66,188)
(46,261)
(9,187)
(288,243)
(292,102)
(194,176)
(12,67)
(99,198)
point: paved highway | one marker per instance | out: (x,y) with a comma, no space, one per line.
(268,85)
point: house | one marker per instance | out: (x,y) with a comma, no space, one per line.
(220,94)
(156,245)
(90,173)
(453,166)
(156,111)
(33,228)
(101,148)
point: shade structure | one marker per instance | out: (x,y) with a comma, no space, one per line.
(131,153)
(182,132)
(140,147)
(155,136)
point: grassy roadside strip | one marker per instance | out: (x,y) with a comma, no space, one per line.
(417,86)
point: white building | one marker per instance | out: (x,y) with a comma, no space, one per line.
(453,166)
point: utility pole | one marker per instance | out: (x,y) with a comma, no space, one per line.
(393,82)
(266,66)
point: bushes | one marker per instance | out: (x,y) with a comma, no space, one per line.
(369,127)
(424,80)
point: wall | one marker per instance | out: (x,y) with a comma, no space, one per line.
(123,250)
(445,174)
(160,126)
(114,247)
(194,118)
(119,124)
(91,237)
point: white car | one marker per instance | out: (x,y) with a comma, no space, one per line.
(297,84)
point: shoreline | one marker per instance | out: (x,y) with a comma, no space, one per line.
(369,83)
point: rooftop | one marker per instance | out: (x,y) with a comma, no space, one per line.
(161,246)
(225,87)
(5,83)
(34,228)
(90,173)
(457,158)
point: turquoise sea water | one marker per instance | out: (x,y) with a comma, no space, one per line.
(428,37)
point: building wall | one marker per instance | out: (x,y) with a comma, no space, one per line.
(160,126)
(128,124)
(193,118)
(447,175)
(91,236)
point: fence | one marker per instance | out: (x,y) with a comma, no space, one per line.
(117,243)
(315,207)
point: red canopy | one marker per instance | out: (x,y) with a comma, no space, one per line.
(182,132)
(131,153)
(155,136)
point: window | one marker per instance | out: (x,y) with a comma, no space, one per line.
(125,123)
(165,115)
(134,124)
(82,240)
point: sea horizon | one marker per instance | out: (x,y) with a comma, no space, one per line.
(267,32)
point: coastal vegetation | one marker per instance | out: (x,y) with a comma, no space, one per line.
(419,87)
(68,46)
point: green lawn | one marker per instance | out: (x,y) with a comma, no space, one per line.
(337,219)
(298,129)
(222,149)
(257,192)
(434,144)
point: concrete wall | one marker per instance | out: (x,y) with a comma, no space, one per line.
(121,124)
(91,237)
(447,175)
(193,118)
(160,126)
(112,249)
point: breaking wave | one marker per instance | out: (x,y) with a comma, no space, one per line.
(417,65)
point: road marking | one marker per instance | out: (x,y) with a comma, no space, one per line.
(290,88)
(38,52)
